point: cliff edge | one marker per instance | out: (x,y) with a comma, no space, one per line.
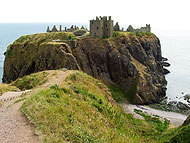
(133,63)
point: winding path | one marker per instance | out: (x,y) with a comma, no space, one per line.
(14,126)
(11,95)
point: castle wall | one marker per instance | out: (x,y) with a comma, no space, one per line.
(108,28)
(96,28)
(142,29)
(101,27)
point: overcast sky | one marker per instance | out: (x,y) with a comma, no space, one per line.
(161,14)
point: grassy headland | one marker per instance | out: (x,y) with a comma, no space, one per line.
(81,109)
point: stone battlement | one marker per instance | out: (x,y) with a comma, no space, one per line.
(142,29)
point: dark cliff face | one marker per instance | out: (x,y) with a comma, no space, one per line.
(131,62)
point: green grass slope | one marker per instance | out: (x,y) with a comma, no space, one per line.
(31,81)
(45,37)
(177,135)
(81,109)
(7,87)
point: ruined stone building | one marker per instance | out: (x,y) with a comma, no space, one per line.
(117,27)
(142,29)
(54,29)
(101,27)
(59,29)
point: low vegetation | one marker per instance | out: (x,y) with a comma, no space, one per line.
(144,34)
(81,109)
(119,94)
(177,135)
(6,88)
(117,33)
(30,81)
(45,37)
(155,120)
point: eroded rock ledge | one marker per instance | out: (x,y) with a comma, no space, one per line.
(134,63)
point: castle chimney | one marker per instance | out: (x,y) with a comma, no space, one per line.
(109,17)
(65,29)
(54,29)
(48,30)
(60,28)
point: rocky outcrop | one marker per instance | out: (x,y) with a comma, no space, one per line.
(187,121)
(134,63)
(187,97)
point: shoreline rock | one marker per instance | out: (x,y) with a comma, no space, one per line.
(172,106)
(187,97)
(164,59)
(165,64)
(165,71)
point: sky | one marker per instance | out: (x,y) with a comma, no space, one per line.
(172,15)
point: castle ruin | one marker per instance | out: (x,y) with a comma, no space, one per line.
(59,29)
(142,29)
(101,27)
(117,27)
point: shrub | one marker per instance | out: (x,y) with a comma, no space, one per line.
(115,34)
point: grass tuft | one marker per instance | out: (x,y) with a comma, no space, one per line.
(7,87)
(30,81)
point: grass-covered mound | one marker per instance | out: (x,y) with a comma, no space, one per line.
(146,34)
(6,88)
(45,37)
(81,109)
(30,81)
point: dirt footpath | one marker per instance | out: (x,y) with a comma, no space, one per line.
(14,127)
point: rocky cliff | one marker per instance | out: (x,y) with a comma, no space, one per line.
(134,63)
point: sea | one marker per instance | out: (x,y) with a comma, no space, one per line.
(174,47)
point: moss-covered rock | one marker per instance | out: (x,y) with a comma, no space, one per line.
(79,32)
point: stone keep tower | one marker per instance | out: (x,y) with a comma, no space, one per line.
(101,27)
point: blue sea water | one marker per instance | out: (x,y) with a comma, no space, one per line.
(175,48)
(10,32)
